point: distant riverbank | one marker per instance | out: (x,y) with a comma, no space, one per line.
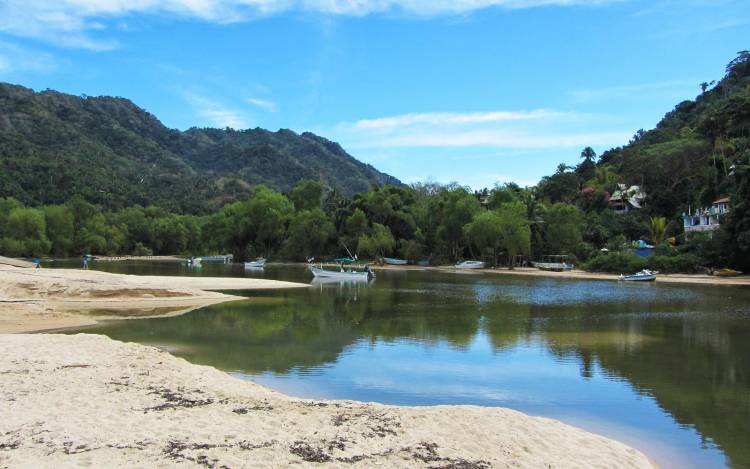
(743,280)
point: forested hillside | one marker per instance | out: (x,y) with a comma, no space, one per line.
(699,152)
(114,154)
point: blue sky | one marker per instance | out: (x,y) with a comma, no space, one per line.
(473,91)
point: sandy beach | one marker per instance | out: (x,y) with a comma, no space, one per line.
(87,400)
(742,280)
(45,299)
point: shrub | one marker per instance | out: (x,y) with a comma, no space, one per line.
(615,262)
(620,263)
(684,263)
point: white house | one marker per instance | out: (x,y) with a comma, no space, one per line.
(625,198)
(706,219)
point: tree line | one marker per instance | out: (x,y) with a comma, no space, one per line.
(441,223)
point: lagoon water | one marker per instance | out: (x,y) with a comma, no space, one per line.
(664,368)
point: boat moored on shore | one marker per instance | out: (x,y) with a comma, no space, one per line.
(470,265)
(393,261)
(554,263)
(258,263)
(644,275)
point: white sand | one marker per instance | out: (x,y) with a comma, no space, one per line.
(44,299)
(742,280)
(86,400)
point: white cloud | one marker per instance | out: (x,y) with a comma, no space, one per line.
(443,118)
(215,113)
(14,58)
(71,23)
(507,130)
(264,104)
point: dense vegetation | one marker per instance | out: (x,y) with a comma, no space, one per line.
(54,146)
(697,153)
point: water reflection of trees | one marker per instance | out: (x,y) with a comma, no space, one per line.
(694,365)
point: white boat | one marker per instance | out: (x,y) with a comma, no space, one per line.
(644,275)
(392,261)
(258,263)
(344,274)
(554,263)
(470,265)
(225,258)
(194,261)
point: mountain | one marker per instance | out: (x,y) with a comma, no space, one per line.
(113,153)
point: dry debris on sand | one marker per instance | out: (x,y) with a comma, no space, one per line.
(89,400)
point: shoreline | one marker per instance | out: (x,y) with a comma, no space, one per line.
(576,274)
(37,300)
(89,400)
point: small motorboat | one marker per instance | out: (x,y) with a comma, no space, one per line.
(558,263)
(727,273)
(258,263)
(644,275)
(194,262)
(470,265)
(392,261)
(343,274)
(423,263)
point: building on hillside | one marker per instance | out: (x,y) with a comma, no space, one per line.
(706,219)
(625,199)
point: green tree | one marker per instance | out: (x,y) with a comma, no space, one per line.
(268,213)
(738,223)
(515,231)
(378,243)
(658,229)
(458,208)
(59,228)
(25,233)
(503,194)
(7,205)
(309,232)
(605,179)
(485,232)
(587,167)
(89,227)
(562,186)
(170,235)
(356,224)
(563,229)
(307,195)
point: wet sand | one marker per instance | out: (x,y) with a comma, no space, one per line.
(45,299)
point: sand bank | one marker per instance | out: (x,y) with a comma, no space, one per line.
(742,280)
(44,299)
(87,400)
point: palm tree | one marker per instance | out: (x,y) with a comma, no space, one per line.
(658,230)
(588,155)
(562,167)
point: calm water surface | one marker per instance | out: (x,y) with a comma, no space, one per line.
(665,368)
